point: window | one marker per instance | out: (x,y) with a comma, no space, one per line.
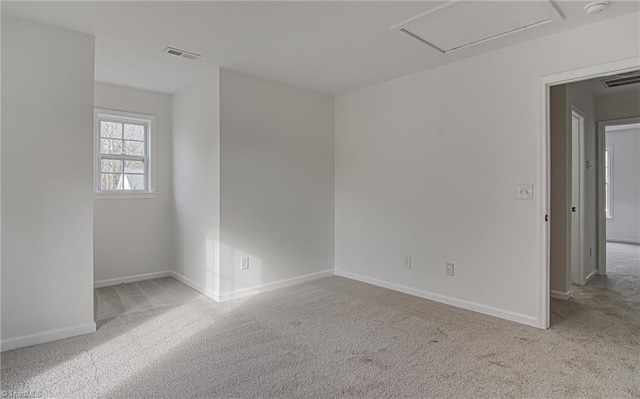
(608,154)
(123,152)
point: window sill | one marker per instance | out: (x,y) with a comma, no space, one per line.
(110,196)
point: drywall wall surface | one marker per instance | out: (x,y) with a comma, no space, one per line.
(581,98)
(625,185)
(277,173)
(560,161)
(427,166)
(196,181)
(47,177)
(618,105)
(132,236)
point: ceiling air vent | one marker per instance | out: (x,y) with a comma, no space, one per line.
(622,80)
(182,53)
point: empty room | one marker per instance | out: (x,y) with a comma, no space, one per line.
(329,199)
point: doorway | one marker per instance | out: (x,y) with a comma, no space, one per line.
(562,215)
(618,182)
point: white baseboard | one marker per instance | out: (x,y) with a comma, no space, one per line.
(460,303)
(131,279)
(201,289)
(274,285)
(561,295)
(46,336)
(623,241)
(591,276)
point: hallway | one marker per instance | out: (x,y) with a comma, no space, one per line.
(607,302)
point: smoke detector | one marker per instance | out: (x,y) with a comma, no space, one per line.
(596,7)
(181,53)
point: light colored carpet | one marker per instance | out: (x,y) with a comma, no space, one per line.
(337,338)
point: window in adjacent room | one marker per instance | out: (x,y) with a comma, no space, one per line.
(608,153)
(124,161)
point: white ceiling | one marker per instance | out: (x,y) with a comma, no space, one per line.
(331,47)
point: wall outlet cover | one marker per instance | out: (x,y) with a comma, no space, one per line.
(450,269)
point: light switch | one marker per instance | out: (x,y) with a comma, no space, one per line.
(244,263)
(524,191)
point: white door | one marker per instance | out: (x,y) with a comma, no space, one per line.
(577,128)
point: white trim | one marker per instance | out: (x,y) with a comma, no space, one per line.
(201,289)
(561,295)
(126,195)
(590,276)
(580,204)
(47,336)
(258,289)
(623,241)
(544,178)
(460,303)
(131,279)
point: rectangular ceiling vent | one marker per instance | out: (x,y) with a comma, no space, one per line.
(622,80)
(182,53)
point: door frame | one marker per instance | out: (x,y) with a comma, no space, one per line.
(580,278)
(544,84)
(602,217)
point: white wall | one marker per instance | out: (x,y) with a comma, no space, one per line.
(426,166)
(196,182)
(560,189)
(47,181)
(618,105)
(277,172)
(625,224)
(133,236)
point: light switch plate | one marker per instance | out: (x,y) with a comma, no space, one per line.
(524,191)
(244,263)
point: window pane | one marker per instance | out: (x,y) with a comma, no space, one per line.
(111,165)
(110,129)
(134,132)
(133,148)
(134,182)
(136,167)
(110,146)
(110,181)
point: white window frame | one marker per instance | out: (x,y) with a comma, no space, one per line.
(609,181)
(150,121)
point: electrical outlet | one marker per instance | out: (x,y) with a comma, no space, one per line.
(450,269)
(244,263)
(407,262)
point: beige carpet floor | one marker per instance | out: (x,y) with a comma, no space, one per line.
(337,338)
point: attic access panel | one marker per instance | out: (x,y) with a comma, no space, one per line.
(459,24)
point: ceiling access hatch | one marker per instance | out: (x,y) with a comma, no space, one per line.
(459,24)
